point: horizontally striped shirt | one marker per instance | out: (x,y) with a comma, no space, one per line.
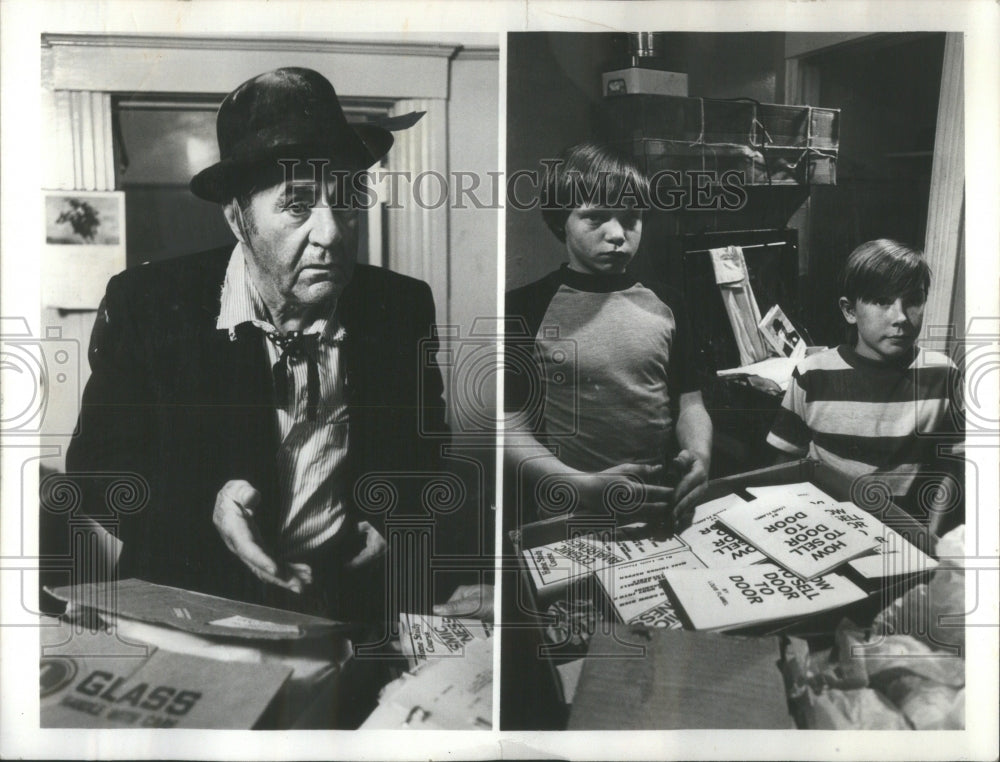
(861,416)
(312,455)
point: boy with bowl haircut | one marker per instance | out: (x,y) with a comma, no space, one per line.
(878,404)
(610,393)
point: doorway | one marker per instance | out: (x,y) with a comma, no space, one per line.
(887,87)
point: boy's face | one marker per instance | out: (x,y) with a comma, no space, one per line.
(887,328)
(602,241)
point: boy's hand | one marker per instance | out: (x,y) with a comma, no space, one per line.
(469,601)
(629,492)
(690,487)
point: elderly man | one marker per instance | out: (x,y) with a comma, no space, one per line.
(258,389)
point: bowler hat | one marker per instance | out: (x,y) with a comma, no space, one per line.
(288,113)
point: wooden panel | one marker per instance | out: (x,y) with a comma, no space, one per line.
(418,208)
(172,65)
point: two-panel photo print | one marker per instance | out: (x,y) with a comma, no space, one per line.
(504,372)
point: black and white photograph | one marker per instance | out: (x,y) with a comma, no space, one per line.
(84,246)
(83,219)
(779,332)
(270,505)
(532,379)
(676,187)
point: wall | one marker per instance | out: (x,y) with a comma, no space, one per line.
(887,91)
(472,236)
(554,89)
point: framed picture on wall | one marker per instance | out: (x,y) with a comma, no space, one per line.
(84,246)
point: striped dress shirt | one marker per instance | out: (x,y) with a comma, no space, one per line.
(312,455)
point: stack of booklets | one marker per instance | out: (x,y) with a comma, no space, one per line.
(634,588)
(425,636)
(766,557)
(556,565)
(801,537)
(805,539)
(893,555)
(450,688)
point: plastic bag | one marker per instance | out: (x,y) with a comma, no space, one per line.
(928,705)
(860,709)
(934,613)
(874,682)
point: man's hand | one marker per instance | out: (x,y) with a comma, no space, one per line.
(469,600)
(693,480)
(628,491)
(233,518)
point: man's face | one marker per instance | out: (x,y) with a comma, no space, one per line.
(301,250)
(887,328)
(602,241)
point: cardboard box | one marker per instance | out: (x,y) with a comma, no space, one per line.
(771,144)
(194,612)
(773,165)
(636,80)
(829,480)
(93,679)
(676,119)
(798,126)
(675,680)
(221,649)
(819,627)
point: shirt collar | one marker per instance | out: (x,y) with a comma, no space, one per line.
(850,355)
(241,303)
(596,282)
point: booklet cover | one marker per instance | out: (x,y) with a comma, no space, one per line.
(634,588)
(893,554)
(800,536)
(719,548)
(806,491)
(425,636)
(721,599)
(663,616)
(559,563)
(711,508)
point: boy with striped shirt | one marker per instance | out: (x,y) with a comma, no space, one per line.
(878,407)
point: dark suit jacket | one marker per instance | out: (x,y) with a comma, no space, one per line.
(174,401)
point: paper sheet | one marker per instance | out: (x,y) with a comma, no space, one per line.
(559,563)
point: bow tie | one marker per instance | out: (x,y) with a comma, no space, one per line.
(296,345)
